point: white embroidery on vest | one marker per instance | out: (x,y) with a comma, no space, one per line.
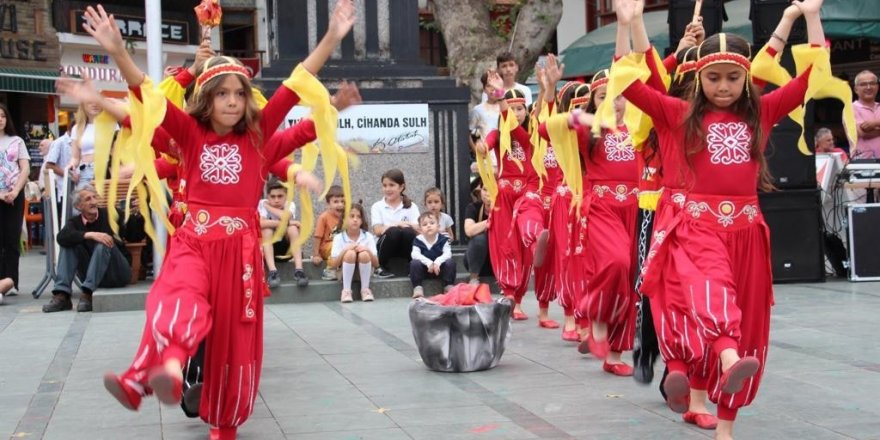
(220,164)
(618,147)
(728,143)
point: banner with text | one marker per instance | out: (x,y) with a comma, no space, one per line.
(378,128)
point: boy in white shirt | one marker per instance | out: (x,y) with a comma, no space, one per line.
(431,256)
(270,211)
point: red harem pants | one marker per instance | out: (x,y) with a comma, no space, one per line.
(610,261)
(721,252)
(211,287)
(679,335)
(558,246)
(510,261)
(532,215)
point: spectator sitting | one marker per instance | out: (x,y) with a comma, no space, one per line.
(88,248)
(824,140)
(435,202)
(271,210)
(355,246)
(475,226)
(431,256)
(328,224)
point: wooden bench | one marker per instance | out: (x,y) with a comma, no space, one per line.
(138,272)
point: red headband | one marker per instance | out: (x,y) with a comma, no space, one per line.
(516,101)
(223,69)
(684,68)
(723,58)
(565,88)
(581,100)
(598,83)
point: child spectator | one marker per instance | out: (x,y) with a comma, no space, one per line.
(6,285)
(431,256)
(395,220)
(435,202)
(476,225)
(355,246)
(270,211)
(328,224)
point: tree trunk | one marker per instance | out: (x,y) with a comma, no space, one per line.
(472,43)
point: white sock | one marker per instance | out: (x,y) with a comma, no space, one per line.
(347,275)
(366,270)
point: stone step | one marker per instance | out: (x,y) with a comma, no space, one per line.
(133,297)
(398,266)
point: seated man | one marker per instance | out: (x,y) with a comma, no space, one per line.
(271,210)
(88,248)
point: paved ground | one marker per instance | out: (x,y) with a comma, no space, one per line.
(337,371)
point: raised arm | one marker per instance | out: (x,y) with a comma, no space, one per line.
(815,32)
(779,37)
(103,28)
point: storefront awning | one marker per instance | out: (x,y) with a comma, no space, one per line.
(594,51)
(851,19)
(18,80)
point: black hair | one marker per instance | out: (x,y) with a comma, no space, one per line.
(10,127)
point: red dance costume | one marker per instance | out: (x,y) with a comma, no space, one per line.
(511,260)
(717,247)
(211,286)
(603,239)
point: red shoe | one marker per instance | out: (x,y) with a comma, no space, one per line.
(622,370)
(571,335)
(705,421)
(519,316)
(678,391)
(547,323)
(598,349)
(167,387)
(221,433)
(541,248)
(123,393)
(733,379)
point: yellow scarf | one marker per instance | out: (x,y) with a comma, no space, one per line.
(539,145)
(565,144)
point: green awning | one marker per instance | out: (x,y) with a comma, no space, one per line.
(594,51)
(851,19)
(14,79)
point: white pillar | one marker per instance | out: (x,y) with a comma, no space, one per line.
(153,16)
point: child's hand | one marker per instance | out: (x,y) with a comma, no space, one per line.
(553,73)
(696,29)
(342,20)
(307,180)
(626,11)
(347,95)
(83,91)
(480,146)
(808,6)
(104,29)
(204,53)
(494,80)
(540,75)
(317,260)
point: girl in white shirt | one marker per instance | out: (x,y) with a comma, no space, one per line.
(82,162)
(355,246)
(395,221)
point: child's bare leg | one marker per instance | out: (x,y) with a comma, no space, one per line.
(293,235)
(724,430)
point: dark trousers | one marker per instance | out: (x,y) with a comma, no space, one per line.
(104,267)
(418,272)
(395,242)
(477,255)
(11,217)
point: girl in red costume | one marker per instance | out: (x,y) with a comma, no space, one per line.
(226,143)
(718,246)
(511,261)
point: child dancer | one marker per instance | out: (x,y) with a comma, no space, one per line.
(355,246)
(511,145)
(225,145)
(431,256)
(435,202)
(395,221)
(717,246)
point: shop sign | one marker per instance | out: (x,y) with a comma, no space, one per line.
(24,31)
(135,28)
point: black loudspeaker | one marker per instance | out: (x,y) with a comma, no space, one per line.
(681,12)
(796,234)
(765,15)
(864,241)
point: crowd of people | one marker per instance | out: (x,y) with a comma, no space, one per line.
(631,200)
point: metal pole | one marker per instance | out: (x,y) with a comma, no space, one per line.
(154,69)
